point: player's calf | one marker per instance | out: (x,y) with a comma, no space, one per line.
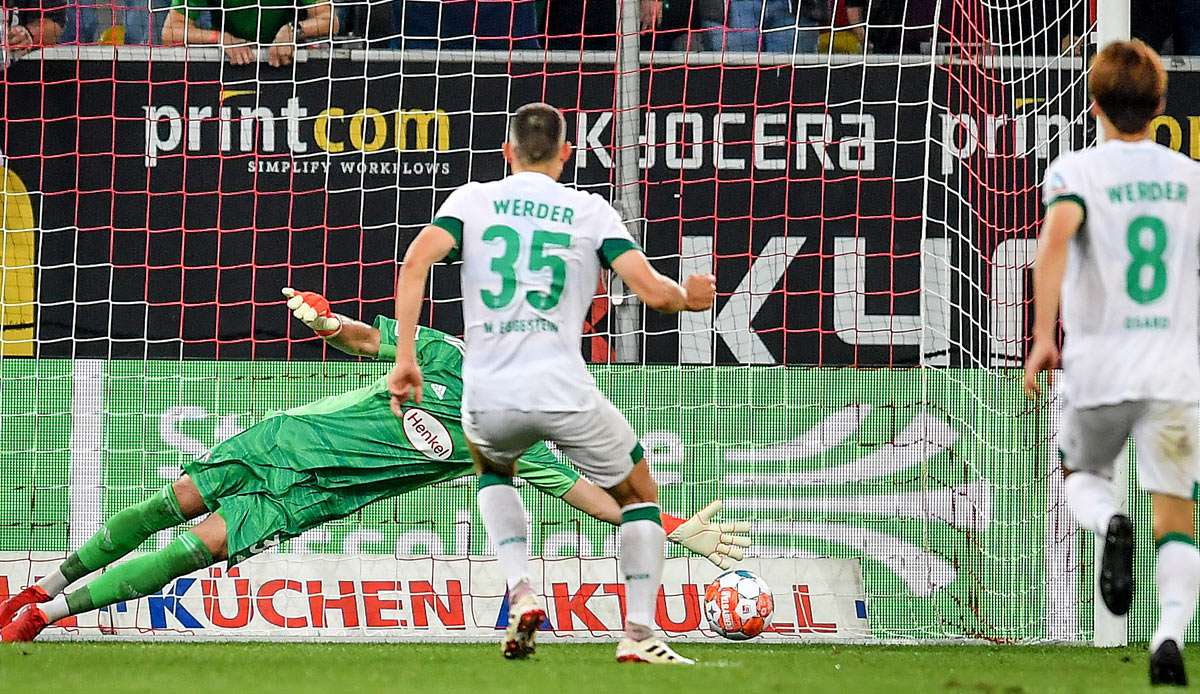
(642,539)
(504,516)
(192,550)
(1092,504)
(1177,573)
(123,532)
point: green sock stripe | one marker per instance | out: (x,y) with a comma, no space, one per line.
(199,552)
(1174,537)
(637,454)
(80,601)
(649,512)
(73,569)
(172,507)
(491,479)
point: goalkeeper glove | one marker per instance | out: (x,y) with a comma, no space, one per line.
(721,543)
(312,309)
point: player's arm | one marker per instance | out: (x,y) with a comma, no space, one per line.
(722,543)
(1064,217)
(36,27)
(433,244)
(180,27)
(660,292)
(618,251)
(341,332)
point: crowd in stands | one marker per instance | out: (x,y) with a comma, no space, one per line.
(748,26)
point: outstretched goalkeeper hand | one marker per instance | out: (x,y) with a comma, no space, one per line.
(722,543)
(312,309)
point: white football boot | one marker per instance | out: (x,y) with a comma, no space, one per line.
(652,650)
(524,617)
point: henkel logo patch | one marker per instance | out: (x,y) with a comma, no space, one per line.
(427,434)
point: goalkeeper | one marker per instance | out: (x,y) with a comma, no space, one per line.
(300,468)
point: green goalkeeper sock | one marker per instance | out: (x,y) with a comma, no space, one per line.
(123,533)
(142,576)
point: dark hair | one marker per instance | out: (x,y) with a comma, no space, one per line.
(1128,83)
(537,132)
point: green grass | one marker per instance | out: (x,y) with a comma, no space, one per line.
(295,668)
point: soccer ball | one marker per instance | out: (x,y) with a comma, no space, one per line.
(738,605)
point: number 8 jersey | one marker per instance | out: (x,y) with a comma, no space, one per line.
(531,251)
(1131,295)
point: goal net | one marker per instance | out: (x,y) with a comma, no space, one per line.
(870,217)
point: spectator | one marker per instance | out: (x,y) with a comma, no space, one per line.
(34,25)
(144,20)
(848,33)
(901,26)
(135,22)
(82,21)
(573,25)
(246,22)
(465,24)
(769,26)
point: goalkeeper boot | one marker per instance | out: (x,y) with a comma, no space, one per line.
(30,596)
(652,650)
(1116,565)
(524,617)
(29,623)
(1166,665)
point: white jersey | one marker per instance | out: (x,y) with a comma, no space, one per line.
(1131,294)
(531,250)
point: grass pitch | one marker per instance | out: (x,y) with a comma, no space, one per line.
(298,668)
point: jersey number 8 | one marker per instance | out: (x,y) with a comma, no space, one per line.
(505,265)
(1144,258)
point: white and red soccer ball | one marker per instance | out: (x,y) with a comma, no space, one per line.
(738,605)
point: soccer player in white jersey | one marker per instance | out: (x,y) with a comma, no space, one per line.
(1119,246)
(532,250)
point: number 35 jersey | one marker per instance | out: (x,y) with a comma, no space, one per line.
(1131,294)
(531,251)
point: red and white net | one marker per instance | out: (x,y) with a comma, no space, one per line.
(869,215)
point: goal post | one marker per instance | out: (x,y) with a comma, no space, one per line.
(1112,24)
(871,218)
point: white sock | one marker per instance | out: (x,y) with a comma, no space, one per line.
(507,525)
(1090,498)
(641,566)
(1178,577)
(56,609)
(54,583)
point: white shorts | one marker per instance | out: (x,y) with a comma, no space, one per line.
(597,440)
(1165,434)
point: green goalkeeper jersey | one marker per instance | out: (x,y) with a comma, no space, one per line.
(302,467)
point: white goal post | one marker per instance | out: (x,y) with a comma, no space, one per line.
(1112,24)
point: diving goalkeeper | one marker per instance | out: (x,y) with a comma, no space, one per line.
(300,468)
